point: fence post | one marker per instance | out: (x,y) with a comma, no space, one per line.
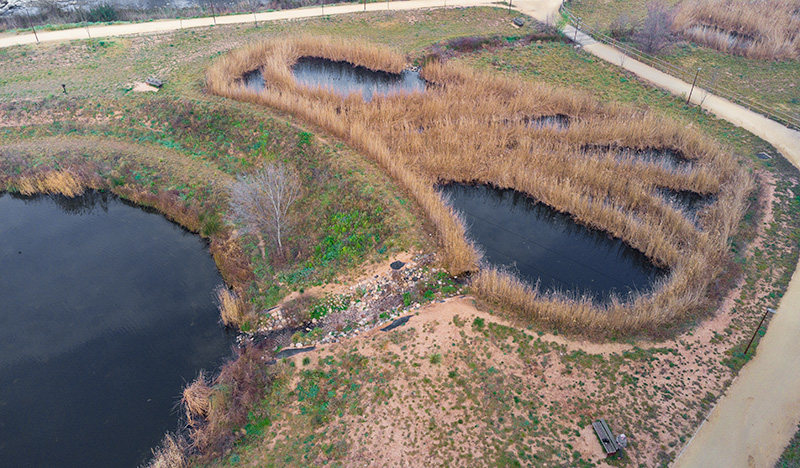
(693,83)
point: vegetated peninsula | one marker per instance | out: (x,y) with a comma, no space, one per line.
(437,247)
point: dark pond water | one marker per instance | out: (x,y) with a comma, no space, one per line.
(667,158)
(106,312)
(555,122)
(691,203)
(344,78)
(541,244)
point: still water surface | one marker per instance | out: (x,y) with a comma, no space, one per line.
(106,312)
(545,246)
(344,78)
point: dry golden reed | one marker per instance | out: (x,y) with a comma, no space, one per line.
(230,305)
(196,399)
(170,454)
(66,182)
(760,29)
(473,127)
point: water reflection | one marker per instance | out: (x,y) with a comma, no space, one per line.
(106,311)
(344,78)
(545,246)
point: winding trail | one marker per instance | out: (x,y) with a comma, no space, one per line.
(754,421)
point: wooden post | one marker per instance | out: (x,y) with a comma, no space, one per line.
(693,83)
(33,28)
(213,13)
(758,328)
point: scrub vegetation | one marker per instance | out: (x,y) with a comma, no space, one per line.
(474,127)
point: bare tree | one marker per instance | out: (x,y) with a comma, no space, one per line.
(262,201)
(655,32)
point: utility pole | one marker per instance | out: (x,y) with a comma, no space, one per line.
(769,310)
(693,83)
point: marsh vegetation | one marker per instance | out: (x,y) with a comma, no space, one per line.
(764,30)
(468,127)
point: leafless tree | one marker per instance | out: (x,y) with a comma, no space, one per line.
(622,27)
(262,201)
(655,32)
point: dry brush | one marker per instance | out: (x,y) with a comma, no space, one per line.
(761,29)
(474,127)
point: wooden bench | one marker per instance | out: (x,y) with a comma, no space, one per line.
(606,437)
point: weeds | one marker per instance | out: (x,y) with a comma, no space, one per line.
(170,454)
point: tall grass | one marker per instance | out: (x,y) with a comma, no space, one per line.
(472,127)
(240,384)
(232,309)
(170,454)
(760,29)
(196,399)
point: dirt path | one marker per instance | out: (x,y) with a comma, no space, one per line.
(754,421)
(539,9)
(174,25)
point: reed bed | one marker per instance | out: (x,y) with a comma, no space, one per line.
(196,399)
(472,127)
(232,309)
(761,29)
(170,454)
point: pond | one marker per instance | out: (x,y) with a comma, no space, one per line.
(344,78)
(107,310)
(688,202)
(667,158)
(542,245)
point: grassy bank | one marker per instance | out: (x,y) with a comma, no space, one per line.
(183,165)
